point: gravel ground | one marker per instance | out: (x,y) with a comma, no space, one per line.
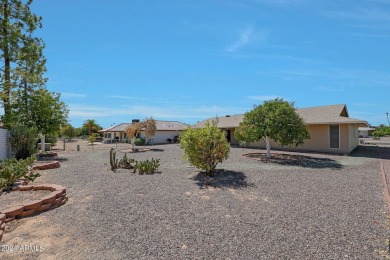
(250,210)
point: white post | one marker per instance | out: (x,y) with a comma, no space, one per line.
(268,147)
(42,142)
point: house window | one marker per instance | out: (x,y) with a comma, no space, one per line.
(334,136)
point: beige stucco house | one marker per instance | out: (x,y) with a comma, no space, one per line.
(165,130)
(330,127)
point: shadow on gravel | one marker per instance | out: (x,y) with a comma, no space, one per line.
(56,158)
(156,150)
(366,151)
(297,160)
(222,179)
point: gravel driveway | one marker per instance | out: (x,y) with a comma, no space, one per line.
(250,210)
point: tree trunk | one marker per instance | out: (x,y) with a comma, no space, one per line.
(132,143)
(268,145)
(42,143)
(7,66)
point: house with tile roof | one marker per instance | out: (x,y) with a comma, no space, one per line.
(165,130)
(330,127)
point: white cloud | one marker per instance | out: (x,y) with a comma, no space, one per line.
(158,112)
(246,36)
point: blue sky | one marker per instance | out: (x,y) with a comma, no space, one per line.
(189,60)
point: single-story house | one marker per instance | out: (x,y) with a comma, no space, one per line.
(165,130)
(330,127)
(365,132)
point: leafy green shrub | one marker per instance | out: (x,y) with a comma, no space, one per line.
(51,138)
(23,141)
(147,166)
(139,141)
(205,147)
(11,170)
(381,131)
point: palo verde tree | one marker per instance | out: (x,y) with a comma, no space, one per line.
(21,58)
(150,127)
(205,147)
(46,112)
(275,119)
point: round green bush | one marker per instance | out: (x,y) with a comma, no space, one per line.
(139,141)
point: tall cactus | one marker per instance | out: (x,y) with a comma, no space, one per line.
(113,160)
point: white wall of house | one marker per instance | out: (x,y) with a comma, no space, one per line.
(162,136)
(4,144)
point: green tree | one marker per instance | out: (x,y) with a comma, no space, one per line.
(67,130)
(205,147)
(21,56)
(275,119)
(46,112)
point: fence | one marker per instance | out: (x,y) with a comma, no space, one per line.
(4,144)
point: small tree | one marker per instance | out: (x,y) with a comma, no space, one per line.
(45,111)
(23,141)
(205,147)
(150,127)
(132,132)
(275,119)
(91,139)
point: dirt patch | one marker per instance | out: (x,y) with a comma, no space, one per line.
(36,237)
(15,198)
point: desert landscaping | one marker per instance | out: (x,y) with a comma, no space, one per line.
(320,206)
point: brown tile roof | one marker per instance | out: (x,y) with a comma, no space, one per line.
(333,114)
(161,126)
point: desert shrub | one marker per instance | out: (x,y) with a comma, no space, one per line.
(126,162)
(147,166)
(143,167)
(139,141)
(205,147)
(381,131)
(23,141)
(11,170)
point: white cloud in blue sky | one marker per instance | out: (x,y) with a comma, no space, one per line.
(243,39)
